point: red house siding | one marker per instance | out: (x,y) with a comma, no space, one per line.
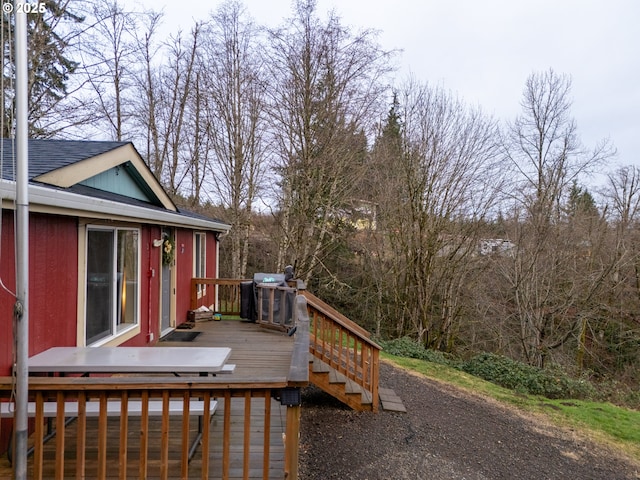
(53,284)
(53,258)
(7,299)
(53,281)
(184,264)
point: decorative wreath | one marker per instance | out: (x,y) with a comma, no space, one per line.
(168,251)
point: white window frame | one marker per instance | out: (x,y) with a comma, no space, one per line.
(200,260)
(117,327)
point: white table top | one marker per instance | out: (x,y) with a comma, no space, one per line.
(130,360)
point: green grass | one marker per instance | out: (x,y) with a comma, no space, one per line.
(604,423)
(614,421)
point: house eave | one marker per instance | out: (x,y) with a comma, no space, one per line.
(54,201)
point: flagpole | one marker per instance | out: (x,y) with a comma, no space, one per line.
(22,248)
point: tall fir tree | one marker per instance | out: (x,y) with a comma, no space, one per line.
(50,65)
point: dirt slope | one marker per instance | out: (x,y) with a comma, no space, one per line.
(445,435)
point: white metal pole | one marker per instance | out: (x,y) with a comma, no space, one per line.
(22,247)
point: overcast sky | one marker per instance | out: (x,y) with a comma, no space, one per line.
(483,51)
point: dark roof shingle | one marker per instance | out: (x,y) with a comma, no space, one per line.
(48,155)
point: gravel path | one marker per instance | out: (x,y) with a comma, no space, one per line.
(446,434)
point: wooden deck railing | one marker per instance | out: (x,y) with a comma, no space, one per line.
(225,295)
(343,345)
(335,339)
(273,304)
(143,452)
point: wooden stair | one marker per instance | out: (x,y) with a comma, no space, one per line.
(339,386)
(343,359)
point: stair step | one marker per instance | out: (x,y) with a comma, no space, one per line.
(336,377)
(352,387)
(353,393)
(320,367)
(367,397)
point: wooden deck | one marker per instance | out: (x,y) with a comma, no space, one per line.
(259,354)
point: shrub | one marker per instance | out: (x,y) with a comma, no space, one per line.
(618,393)
(551,382)
(407,347)
(632,399)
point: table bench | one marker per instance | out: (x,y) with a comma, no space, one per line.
(92,409)
(134,408)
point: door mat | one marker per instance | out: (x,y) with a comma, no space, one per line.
(177,336)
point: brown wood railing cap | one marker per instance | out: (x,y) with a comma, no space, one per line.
(133,382)
(299,367)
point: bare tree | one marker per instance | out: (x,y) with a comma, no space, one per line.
(147,86)
(234,87)
(326,84)
(621,332)
(623,193)
(109,63)
(543,148)
(433,196)
(163,104)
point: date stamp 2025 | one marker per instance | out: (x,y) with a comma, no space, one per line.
(24,7)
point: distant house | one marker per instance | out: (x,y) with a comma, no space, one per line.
(363,215)
(495,246)
(111,255)
(360,214)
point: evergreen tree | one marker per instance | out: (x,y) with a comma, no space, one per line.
(50,66)
(386,152)
(392,130)
(581,202)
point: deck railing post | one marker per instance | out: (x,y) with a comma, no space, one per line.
(292,443)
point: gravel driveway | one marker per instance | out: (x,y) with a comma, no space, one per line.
(446,434)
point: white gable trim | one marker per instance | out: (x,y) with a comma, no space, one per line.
(75,173)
